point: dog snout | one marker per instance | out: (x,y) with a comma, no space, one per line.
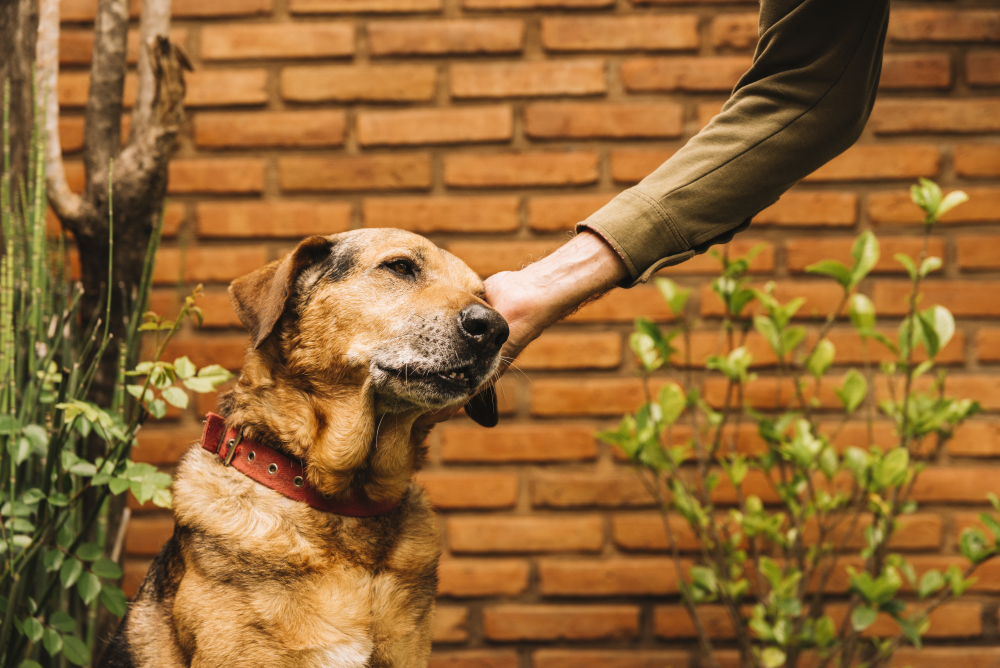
(483,325)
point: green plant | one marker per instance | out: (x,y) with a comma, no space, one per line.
(56,558)
(797,500)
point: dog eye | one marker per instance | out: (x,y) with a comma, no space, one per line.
(402,267)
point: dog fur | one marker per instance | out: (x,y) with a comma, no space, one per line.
(350,336)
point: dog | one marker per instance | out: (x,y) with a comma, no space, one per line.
(353,337)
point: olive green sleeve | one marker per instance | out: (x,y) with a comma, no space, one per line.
(805,100)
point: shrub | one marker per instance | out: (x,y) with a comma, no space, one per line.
(769,561)
(56,556)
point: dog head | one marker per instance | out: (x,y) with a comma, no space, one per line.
(378,307)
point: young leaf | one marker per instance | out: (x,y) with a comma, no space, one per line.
(833,269)
(821,359)
(672,402)
(853,390)
(892,469)
(675,296)
(862,312)
(772,657)
(863,617)
(184,367)
(926,195)
(951,200)
(641,344)
(928,265)
(865,252)
(930,583)
(907,262)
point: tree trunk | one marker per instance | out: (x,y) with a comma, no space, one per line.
(18,30)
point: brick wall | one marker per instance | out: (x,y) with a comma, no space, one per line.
(492,126)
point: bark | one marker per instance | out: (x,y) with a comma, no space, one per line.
(18,28)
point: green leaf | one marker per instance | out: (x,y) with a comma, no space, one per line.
(672,402)
(38,437)
(852,391)
(28,663)
(88,551)
(645,350)
(941,322)
(675,296)
(930,583)
(863,617)
(114,600)
(176,397)
(821,358)
(769,330)
(866,253)
(76,650)
(184,367)
(907,262)
(58,499)
(772,657)
(974,546)
(157,408)
(951,200)
(862,312)
(52,641)
(892,469)
(106,568)
(70,572)
(118,485)
(928,265)
(926,195)
(826,631)
(61,621)
(833,269)
(89,587)
(53,560)
(32,628)
(136,391)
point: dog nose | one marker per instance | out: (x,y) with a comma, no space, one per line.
(483,325)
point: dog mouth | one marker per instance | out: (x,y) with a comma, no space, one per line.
(447,383)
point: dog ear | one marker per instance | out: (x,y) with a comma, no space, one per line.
(483,407)
(261,298)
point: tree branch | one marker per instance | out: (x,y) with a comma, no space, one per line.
(155,23)
(67,204)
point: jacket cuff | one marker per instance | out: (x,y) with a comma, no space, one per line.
(641,232)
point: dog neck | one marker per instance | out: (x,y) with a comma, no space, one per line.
(334,429)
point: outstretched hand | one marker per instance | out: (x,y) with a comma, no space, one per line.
(543,293)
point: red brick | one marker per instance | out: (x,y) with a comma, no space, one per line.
(271,219)
(475,578)
(157,445)
(915,70)
(616,121)
(224,88)
(71,133)
(988,344)
(76,46)
(802,252)
(476,658)
(620,33)
(893,207)
(498,534)
(575,490)
(518,443)
(736,30)
(288,40)
(135,573)
(440,36)
(850,350)
(979,438)
(535,168)
(372,172)
(932,115)
(270,128)
(935,657)
(72,89)
(962,298)
(707,111)
(954,619)
(978,251)
(216,175)
(443,214)
(633,165)
(435,126)
(146,535)
(354,6)
(226,350)
(718,73)
(490,257)
(920,531)
(865,163)
(449,490)
(349,83)
(601,658)
(674,621)
(585,396)
(531,4)
(207,264)
(982,68)
(643,576)
(200,8)
(451,624)
(977,159)
(811,209)
(821,298)
(553,622)
(947,25)
(528,79)
(640,301)
(956,484)
(214,303)
(556,213)
(762,263)
(583,350)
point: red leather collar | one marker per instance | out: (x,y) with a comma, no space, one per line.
(280,472)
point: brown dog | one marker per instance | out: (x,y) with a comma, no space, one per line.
(354,336)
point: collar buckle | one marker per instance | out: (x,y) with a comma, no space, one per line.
(233,442)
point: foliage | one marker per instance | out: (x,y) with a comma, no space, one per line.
(56,559)
(799,501)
